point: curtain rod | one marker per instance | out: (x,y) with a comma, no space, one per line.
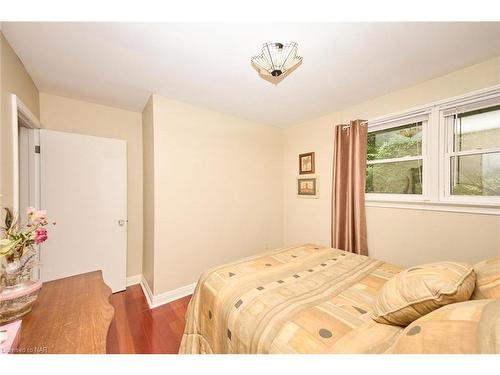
(362,123)
(388,119)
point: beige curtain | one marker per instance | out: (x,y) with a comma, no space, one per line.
(348,196)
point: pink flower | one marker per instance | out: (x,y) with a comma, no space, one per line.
(40,235)
(37,217)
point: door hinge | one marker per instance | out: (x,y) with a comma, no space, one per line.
(37,149)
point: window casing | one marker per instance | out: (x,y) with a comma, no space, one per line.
(460,155)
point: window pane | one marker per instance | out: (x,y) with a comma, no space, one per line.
(403,177)
(478,129)
(476,174)
(397,142)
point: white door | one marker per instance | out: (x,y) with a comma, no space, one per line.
(83,187)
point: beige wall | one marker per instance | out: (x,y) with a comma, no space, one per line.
(148,194)
(218,191)
(399,236)
(14,80)
(218,188)
(74,116)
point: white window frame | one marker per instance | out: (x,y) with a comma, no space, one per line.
(447,152)
(436,188)
(384,125)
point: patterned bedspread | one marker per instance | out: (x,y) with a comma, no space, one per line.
(305,299)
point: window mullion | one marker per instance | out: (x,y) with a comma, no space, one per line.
(478,151)
(394,160)
(430,149)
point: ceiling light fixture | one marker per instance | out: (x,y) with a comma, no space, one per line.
(276,61)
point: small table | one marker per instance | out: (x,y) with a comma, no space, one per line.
(71,315)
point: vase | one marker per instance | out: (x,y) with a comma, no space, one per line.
(17,301)
(18,289)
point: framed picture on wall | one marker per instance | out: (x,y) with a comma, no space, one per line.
(307,187)
(306,163)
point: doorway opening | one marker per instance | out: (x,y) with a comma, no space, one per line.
(26,163)
(25,158)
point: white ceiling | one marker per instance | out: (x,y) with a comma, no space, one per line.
(208,65)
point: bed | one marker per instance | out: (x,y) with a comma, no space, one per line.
(304,299)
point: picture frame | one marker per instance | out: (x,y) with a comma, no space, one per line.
(308,187)
(306,163)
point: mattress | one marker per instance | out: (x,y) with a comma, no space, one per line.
(303,299)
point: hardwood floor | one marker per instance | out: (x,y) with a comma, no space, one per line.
(137,329)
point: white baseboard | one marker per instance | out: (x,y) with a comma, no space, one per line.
(133,280)
(147,292)
(172,295)
(166,297)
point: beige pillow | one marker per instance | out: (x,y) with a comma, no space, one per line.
(419,290)
(487,279)
(469,327)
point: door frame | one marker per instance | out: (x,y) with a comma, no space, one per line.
(28,120)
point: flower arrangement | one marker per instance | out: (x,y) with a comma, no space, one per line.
(17,246)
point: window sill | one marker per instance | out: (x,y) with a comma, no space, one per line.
(434,206)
